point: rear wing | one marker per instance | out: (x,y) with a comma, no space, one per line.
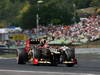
(34,42)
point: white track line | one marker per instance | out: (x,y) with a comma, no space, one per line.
(43,72)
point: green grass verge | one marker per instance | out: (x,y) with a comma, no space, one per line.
(8,56)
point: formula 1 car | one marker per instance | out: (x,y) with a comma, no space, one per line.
(42,53)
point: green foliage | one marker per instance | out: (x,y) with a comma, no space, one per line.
(23,12)
(8,10)
(82,3)
(50,12)
(95,3)
(55,21)
(28,19)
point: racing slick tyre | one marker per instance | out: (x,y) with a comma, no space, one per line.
(72,52)
(22,57)
(35,52)
(54,60)
(69,54)
(36,56)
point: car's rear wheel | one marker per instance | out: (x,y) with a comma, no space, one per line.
(69,54)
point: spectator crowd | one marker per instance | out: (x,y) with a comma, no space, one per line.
(88,29)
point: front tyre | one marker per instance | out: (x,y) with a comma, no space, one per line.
(22,57)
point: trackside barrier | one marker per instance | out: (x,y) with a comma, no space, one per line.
(87,50)
(2,51)
(77,50)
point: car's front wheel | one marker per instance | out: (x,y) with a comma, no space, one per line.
(22,57)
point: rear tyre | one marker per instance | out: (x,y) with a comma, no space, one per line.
(72,52)
(69,54)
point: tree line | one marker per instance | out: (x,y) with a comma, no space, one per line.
(23,12)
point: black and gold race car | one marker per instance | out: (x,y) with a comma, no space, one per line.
(40,52)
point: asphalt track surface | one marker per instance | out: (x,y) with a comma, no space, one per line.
(88,64)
